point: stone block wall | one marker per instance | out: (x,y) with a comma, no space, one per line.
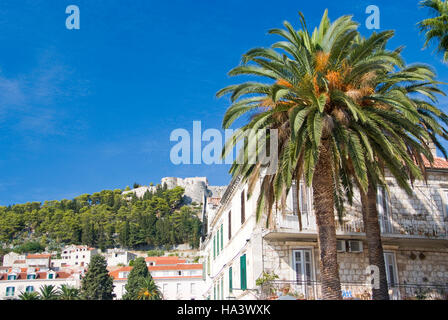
(430,271)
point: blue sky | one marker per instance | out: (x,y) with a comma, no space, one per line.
(92,109)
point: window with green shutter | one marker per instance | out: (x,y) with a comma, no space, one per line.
(214,247)
(217,243)
(222,237)
(10,291)
(208,265)
(243,272)
(230,280)
(222,288)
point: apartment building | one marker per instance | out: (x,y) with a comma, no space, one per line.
(116,257)
(176,279)
(74,256)
(14,281)
(12,259)
(238,250)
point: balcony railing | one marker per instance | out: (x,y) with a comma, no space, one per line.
(404,227)
(312,290)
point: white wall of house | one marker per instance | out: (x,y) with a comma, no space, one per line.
(76,256)
(418,223)
(172,289)
(115,258)
(10,258)
(21,285)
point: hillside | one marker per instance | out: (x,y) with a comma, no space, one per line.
(104,219)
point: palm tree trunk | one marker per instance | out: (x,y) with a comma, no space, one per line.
(323,188)
(373,235)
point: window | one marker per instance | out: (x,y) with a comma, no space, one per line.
(230,280)
(177,288)
(222,288)
(10,291)
(303,266)
(217,242)
(31,276)
(222,237)
(445,193)
(208,265)
(383,210)
(12,277)
(243,208)
(230,225)
(243,272)
(179,273)
(391,271)
(214,247)
(29,289)
(164,287)
(50,276)
(192,288)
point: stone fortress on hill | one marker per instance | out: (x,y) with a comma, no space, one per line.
(196,188)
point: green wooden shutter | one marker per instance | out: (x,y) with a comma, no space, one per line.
(222,288)
(230,280)
(217,242)
(222,237)
(208,265)
(243,272)
(214,247)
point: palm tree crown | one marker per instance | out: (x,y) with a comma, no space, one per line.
(436,28)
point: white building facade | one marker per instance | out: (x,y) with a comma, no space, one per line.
(176,279)
(237,251)
(15,281)
(74,256)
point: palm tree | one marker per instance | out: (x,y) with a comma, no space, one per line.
(436,28)
(396,89)
(149,290)
(29,296)
(322,99)
(48,292)
(68,293)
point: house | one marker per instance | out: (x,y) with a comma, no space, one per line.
(176,279)
(74,256)
(13,259)
(238,250)
(115,257)
(14,281)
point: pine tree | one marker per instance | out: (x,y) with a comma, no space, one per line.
(97,284)
(136,279)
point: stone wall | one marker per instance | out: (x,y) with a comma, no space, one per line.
(429,271)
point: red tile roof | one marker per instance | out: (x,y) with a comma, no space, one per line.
(439,163)
(165,260)
(19,261)
(115,274)
(38,256)
(196,266)
(22,275)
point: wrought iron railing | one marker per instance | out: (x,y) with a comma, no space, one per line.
(403,227)
(312,290)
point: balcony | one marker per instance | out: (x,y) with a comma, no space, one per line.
(404,228)
(312,290)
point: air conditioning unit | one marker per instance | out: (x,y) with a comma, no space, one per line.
(354,246)
(341,246)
